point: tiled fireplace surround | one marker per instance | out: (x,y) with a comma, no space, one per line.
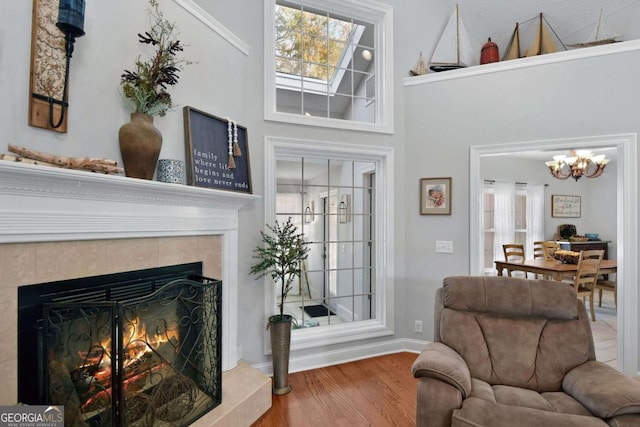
(57,224)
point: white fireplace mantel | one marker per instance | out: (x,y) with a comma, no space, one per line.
(42,203)
(45,204)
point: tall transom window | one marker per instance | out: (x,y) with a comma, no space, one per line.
(328,64)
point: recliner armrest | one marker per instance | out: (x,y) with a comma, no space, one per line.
(443,363)
(605,391)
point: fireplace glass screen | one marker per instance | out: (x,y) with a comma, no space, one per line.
(137,358)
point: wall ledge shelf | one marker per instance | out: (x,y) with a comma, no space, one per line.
(534,61)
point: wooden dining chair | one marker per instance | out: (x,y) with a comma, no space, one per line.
(607,285)
(550,247)
(586,277)
(513,252)
(538,250)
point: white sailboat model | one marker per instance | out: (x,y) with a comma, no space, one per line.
(454,48)
(600,35)
(420,68)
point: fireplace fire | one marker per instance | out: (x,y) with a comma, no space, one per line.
(130,349)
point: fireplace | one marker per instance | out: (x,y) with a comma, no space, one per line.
(58,224)
(134,348)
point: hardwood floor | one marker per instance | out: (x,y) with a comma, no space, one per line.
(604,330)
(380,391)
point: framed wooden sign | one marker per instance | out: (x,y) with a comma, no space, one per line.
(565,206)
(207,152)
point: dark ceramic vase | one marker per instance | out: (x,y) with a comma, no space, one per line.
(140,144)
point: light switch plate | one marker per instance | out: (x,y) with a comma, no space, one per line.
(444,246)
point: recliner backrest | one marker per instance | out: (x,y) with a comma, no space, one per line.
(512,331)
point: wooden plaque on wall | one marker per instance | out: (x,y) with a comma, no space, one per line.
(48,65)
(207,153)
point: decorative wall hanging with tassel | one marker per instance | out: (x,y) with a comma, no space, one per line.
(234,147)
(231,163)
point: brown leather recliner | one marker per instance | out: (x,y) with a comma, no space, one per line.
(517,352)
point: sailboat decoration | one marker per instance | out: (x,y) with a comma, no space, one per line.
(420,68)
(454,48)
(600,35)
(542,43)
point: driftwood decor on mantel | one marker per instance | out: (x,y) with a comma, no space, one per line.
(93,164)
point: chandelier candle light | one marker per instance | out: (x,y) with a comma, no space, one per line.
(578,165)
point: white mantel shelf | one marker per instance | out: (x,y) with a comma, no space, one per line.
(40,203)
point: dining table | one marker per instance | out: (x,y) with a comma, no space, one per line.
(550,267)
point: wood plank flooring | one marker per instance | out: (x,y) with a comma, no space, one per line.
(379,391)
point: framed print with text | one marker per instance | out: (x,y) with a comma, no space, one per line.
(565,206)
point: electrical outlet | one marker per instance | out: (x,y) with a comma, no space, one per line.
(417,326)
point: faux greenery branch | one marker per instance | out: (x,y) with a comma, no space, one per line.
(280,255)
(145,86)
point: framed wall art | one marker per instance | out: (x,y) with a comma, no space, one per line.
(208,142)
(565,206)
(435,196)
(48,66)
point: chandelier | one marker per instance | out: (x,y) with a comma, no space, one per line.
(580,163)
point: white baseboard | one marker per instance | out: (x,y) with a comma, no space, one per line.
(329,358)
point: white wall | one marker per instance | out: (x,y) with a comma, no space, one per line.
(592,96)
(109,46)
(435,124)
(224,82)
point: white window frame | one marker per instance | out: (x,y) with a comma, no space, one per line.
(383,324)
(379,14)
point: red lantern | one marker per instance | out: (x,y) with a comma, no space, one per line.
(489,52)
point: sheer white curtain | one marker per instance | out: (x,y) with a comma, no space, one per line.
(535,215)
(504,224)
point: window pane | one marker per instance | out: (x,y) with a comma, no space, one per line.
(520,212)
(339,29)
(315,105)
(317,71)
(488,211)
(345,77)
(289,46)
(488,250)
(314,25)
(321,55)
(289,101)
(331,201)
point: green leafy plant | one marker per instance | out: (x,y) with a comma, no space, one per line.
(280,256)
(146,85)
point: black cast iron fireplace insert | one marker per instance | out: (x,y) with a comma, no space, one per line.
(140,348)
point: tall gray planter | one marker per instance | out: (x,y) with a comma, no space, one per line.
(280,330)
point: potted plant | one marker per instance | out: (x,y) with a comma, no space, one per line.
(280,256)
(145,88)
